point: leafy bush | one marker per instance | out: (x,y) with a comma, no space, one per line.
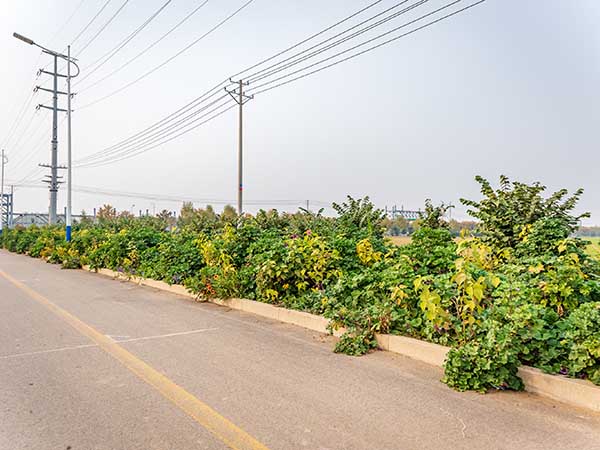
(299,266)
(485,363)
(506,213)
(582,339)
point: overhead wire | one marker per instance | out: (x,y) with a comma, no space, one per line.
(93,19)
(118,148)
(25,129)
(121,151)
(139,150)
(40,137)
(146,49)
(18,118)
(179,53)
(102,28)
(98,63)
(201,98)
(27,102)
(280,65)
(257,89)
(304,41)
(36,171)
(66,22)
(178,198)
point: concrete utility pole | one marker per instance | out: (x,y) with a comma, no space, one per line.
(240,98)
(53,181)
(69,215)
(4,161)
(12,206)
(53,185)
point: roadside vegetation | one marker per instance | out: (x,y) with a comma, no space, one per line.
(521,290)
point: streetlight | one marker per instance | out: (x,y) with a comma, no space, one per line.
(53,185)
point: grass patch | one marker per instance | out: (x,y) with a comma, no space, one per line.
(399,240)
(593,248)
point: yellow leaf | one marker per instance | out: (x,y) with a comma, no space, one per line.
(460,278)
(495,281)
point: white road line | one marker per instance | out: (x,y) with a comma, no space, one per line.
(183,333)
(115,338)
(53,350)
(75,347)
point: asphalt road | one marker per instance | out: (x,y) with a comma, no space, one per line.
(88,363)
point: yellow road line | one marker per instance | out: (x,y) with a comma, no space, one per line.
(223,429)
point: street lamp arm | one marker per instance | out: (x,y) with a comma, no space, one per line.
(47,50)
(72,61)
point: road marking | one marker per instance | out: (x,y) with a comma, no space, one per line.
(223,429)
(52,350)
(159,336)
(111,337)
(115,337)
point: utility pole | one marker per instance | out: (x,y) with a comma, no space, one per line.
(240,98)
(12,206)
(53,181)
(69,217)
(4,161)
(54,156)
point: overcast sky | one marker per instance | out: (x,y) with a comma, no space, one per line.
(508,87)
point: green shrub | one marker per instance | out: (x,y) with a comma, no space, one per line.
(581,338)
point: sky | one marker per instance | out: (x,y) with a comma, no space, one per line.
(507,87)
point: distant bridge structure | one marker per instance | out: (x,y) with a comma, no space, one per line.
(394,213)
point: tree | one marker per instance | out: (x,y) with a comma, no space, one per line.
(360,215)
(229,214)
(197,219)
(106,213)
(433,217)
(166,218)
(126,215)
(515,209)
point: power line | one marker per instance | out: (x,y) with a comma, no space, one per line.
(216,27)
(36,170)
(122,66)
(157,133)
(201,98)
(270,58)
(90,22)
(188,107)
(103,27)
(366,50)
(18,118)
(104,157)
(139,151)
(111,53)
(178,198)
(66,22)
(280,66)
(17,140)
(35,146)
(29,98)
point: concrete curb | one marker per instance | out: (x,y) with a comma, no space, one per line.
(427,352)
(579,393)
